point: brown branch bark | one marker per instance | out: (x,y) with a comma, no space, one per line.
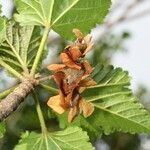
(13,100)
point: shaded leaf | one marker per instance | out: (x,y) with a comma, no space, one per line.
(2,129)
(72,138)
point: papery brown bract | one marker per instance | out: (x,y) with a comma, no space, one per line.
(72,77)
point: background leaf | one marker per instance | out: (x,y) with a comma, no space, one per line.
(64,15)
(72,138)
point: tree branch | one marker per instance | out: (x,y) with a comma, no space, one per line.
(17,95)
(13,100)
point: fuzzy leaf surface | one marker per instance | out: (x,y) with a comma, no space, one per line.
(20,45)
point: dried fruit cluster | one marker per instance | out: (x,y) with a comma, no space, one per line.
(72,76)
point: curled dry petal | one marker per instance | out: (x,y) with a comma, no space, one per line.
(87,82)
(75,53)
(54,103)
(78,34)
(90,46)
(87,39)
(72,78)
(68,61)
(56,67)
(59,77)
(86,107)
(68,99)
(72,114)
(62,100)
(88,69)
(81,89)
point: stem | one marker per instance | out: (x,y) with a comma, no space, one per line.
(6,92)
(49,88)
(40,51)
(39,112)
(10,69)
(42,79)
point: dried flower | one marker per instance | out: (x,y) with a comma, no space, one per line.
(72,77)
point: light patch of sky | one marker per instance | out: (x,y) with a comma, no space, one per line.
(7,7)
(137,60)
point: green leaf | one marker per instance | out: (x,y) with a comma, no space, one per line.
(116,109)
(19,46)
(87,125)
(2,28)
(72,138)
(62,15)
(2,129)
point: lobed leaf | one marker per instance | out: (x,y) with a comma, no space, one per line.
(62,16)
(116,108)
(72,138)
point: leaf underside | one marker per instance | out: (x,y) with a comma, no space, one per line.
(62,16)
(20,45)
(72,138)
